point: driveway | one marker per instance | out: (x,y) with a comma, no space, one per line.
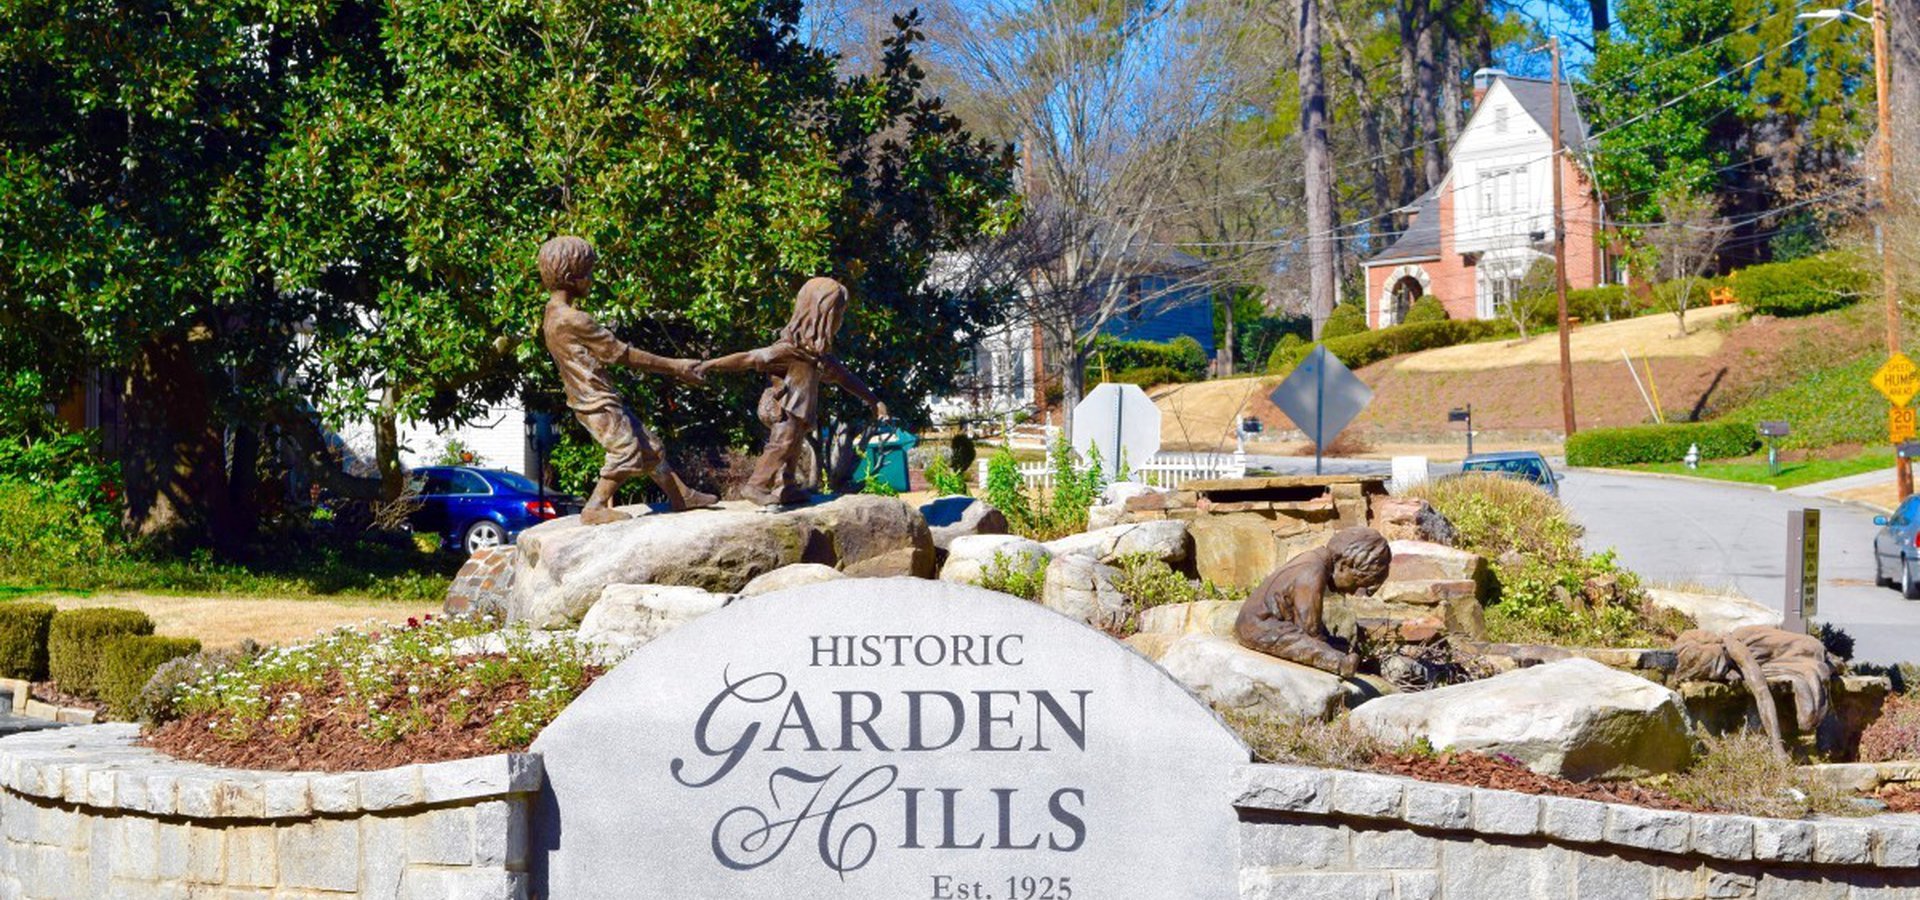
(1730,536)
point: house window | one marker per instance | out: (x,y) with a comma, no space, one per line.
(1500,119)
(1505,191)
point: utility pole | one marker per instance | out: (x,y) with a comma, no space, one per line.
(1560,251)
(1889,282)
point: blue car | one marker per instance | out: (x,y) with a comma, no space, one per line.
(473,509)
(1522,465)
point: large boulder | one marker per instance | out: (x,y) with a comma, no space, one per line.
(628,615)
(1716,612)
(1232,677)
(1411,519)
(1164,540)
(956,517)
(1214,617)
(1242,549)
(1426,561)
(1080,587)
(563,566)
(968,557)
(793,576)
(1571,719)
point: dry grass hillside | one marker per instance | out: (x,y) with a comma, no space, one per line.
(1726,360)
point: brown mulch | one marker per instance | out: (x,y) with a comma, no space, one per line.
(50,692)
(1901,800)
(1476,770)
(332,742)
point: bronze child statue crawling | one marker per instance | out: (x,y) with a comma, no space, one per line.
(1283,616)
(583,349)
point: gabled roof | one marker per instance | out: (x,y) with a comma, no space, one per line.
(1421,240)
(1536,97)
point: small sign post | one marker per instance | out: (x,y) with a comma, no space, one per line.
(1464,414)
(1803,569)
(1773,431)
(1899,381)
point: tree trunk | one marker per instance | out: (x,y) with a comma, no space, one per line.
(1410,170)
(1602,20)
(172,458)
(1319,168)
(1427,99)
(1903,39)
(1370,125)
(1226,351)
(386,452)
(243,481)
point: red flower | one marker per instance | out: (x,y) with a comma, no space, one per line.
(413,622)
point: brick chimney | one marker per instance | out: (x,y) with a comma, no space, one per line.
(1483,81)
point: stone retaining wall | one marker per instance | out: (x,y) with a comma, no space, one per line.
(87,814)
(1314,833)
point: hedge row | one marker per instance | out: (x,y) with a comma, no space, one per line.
(128,663)
(1660,443)
(1148,376)
(1183,355)
(77,639)
(1370,347)
(1804,286)
(23,640)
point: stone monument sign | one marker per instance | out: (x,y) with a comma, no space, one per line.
(886,738)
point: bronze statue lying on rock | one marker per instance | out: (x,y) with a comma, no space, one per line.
(1283,616)
(1757,655)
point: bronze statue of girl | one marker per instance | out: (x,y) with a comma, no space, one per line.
(796,364)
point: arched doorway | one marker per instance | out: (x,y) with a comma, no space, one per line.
(1403,286)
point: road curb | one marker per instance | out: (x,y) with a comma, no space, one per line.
(1695,479)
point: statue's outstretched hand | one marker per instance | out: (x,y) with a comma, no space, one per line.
(691,371)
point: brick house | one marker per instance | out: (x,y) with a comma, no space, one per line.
(1472,238)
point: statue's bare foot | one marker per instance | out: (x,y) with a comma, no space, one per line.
(694,499)
(601,515)
(760,496)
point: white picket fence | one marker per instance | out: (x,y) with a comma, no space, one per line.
(1164,470)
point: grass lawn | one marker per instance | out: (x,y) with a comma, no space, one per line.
(358,570)
(1753,469)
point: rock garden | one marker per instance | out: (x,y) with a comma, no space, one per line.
(1494,653)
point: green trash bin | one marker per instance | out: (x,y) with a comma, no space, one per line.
(884,456)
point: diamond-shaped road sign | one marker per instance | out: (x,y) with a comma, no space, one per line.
(1121,421)
(1897,379)
(1321,397)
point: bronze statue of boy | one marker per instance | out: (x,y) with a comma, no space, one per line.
(796,364)
(1283,616)
(582,348)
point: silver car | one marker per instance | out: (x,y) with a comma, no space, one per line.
(1896,549)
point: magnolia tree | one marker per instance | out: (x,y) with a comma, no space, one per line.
(1683,248)
(272,217)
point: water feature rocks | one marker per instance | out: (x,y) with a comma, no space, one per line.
(562,566)
(629,615)
(1411,519)
(1232,677)
(968,557)
(793,576)
(1716,612)
(1165,540)
(956,517)
(1080,587)
(1571,719)
(1198,617)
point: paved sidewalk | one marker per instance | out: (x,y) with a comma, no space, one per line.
(1870,489)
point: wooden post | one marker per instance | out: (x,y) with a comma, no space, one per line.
(1560,253)
(1889,280)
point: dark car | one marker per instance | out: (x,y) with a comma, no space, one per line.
(1525,465)
(472,509)
(1896,549)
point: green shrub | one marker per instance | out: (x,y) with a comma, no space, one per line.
(1369,347)
(77,638)
(156,703)
(1183,355)
(1426,309)
(1803,286)
(1146,581)
(128,663)
(1741,773)
(1494,516)
(1347,319)
(1661,443)
(1583,602)
(944,479)
(1022,576)
(1148,376)
(23,640)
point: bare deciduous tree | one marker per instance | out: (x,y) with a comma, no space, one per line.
(1106,100)
(1683,247)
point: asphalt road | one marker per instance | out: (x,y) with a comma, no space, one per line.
(1720,535)
(1731,536)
